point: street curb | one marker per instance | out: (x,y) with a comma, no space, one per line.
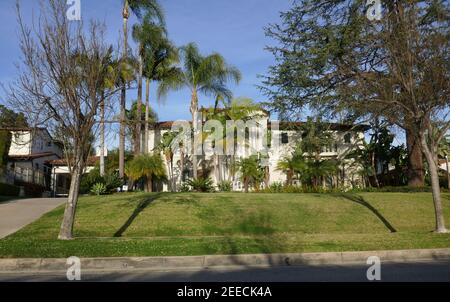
(186,262)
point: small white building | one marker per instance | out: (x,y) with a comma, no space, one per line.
(60,174)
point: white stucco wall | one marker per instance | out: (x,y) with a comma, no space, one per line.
(28,142)
(275,154)
(20,143)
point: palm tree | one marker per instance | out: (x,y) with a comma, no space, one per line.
(166,148)
(113,73)
(160,59)
(317,170)
(236,109)
(293,165)
(251,172)
(133,115)
(149,167)
(148,34)
(287,165)
(201,74)
(138,7)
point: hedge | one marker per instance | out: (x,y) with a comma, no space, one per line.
(9,190)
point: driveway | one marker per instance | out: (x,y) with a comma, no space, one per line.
(16,214)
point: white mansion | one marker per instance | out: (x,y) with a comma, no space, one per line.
(283,139)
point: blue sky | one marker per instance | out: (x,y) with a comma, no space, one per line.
(233,28)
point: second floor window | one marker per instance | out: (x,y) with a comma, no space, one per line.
(348,138)
(284,138)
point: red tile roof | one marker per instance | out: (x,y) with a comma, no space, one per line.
(92,161)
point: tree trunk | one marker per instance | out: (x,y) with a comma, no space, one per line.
(289,177)
(431,158)
(172,176)
(147,114)
(66,230)
(374,169)
(149,184)
(181,167)
(416,175)
(267,177)
(216,168)
(246,185)
(122,135)
(102,135)
(138,138)
(123,96)
(194,112)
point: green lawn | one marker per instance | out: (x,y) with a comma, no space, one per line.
(230,223)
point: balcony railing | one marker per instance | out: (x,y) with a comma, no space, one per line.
(27,175)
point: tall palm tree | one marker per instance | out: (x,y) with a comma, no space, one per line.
(251,172)
(138,7)
(201,74)
(160,61)
(236,109)
(166,148)
(149,34)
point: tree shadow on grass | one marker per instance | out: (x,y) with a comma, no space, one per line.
(141,206)
(360,200)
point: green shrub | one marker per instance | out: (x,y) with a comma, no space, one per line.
(276,187)
(280,188)
(98,189)
(225,186)
(9,190)
(390,189)
(201,184)
(111,181)
(185,187)
(5,143)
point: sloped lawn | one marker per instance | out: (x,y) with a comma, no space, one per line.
(230,223)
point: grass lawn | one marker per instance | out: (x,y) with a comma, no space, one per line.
(157,224)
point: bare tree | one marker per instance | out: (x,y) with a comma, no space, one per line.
(61,85)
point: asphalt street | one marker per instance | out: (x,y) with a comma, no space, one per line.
(424,271)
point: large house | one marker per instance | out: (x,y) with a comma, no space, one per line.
(36,158)
(287,134)
(30,151)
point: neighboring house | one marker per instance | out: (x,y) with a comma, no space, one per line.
(28,156)
(346,139)
(60,174)
(444,164)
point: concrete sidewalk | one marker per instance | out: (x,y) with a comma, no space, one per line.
(118,264)
(16,214)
